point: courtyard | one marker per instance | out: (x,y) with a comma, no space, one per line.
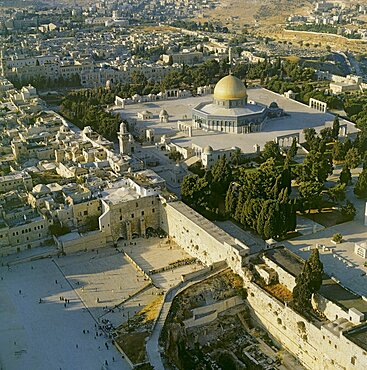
(48,335)
(51,307)
(339,260)
(298,116)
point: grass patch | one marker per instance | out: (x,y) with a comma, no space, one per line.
(279,291)
(290,235)
(133,344)
(132,335)
(327,217)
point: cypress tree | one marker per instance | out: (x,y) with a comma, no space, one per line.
(293,149)
(301,292)
(317,270)
(270,224)
(360,188)
(345,176)
(262,219)
(239,207)
(336,127)
(276,188)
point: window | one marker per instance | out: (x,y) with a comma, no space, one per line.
(153,210)
(353,360)
(142,213)
(132,215)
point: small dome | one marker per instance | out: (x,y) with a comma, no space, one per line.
(230,87)
(273,105)
(208,150)
(40,189)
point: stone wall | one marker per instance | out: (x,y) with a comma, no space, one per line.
(88,241)
(315,346)
(201,238)
(82,211)
(206,314)
(130,217)
(283,276)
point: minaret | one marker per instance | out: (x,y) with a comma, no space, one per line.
(124,139)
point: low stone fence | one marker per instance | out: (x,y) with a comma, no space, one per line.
(195,274)
(137,267)
(75,242)
(206,314)
(173,265)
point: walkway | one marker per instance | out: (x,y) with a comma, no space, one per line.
(152,345)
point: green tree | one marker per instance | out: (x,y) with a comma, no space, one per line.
(316,167)
(231,200)
(271,150)
(338,152)
(336,128)
(308,282)
(337,238)
(293,149)
(348,211)
(302,292)
(337,193)
(317,271)
(345,176)
(352,158)
(360,188)
(310,134)
(310,193)
(236,157)
(222,176)
(327,134)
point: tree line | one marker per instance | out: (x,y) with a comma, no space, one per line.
(83,110)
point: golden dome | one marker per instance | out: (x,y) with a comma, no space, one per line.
(228,88)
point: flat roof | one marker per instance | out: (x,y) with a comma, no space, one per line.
(122,194)
(358,335)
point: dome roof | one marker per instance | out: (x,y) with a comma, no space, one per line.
(208,149)
(228,88)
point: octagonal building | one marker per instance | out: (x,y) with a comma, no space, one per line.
(230,111)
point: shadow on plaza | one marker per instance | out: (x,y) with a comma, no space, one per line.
(296,121)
